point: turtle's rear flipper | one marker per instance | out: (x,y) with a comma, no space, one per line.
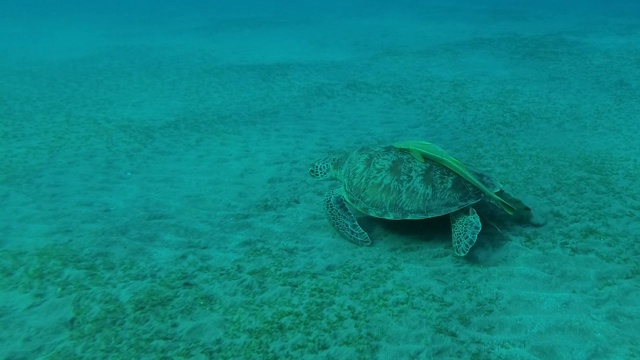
(343,220)
(465,227)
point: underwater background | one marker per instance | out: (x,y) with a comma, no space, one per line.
(156,201)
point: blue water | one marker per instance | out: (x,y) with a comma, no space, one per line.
(156,200)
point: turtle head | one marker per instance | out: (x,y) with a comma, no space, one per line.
(325,168)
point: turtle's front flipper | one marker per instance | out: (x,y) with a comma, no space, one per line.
(465,227)
(343,220)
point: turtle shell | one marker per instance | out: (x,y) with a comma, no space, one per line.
(388,182)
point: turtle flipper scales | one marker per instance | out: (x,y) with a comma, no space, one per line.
(343,220)
(465,227)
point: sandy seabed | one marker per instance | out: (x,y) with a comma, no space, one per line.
(156,201)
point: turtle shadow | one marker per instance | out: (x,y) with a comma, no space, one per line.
(402,232)
(494,234)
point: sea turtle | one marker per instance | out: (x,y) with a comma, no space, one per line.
(409,180)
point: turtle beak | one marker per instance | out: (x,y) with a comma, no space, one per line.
(318,170)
